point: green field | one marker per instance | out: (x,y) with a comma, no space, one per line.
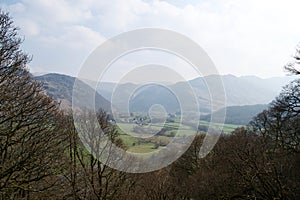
(157,141)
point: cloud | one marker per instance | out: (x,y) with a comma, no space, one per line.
(76,37)
(249,37)
(242,37)
(29,27)
(55,29)
(56,11)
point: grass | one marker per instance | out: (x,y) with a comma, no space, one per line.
(129,140)
(138,145)
(227,128)
(143,148)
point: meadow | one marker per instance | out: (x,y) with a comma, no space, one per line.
(160,134)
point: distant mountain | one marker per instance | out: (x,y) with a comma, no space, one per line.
(239,115)
(60,88)
(273,84)
(245,90)
(148,94)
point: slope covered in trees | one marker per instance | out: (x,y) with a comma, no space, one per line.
(239,115)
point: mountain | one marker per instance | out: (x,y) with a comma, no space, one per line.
(245,90)
(240,91)
(60,88)
(249,90)
(239,115)
(273,84)
(148,94)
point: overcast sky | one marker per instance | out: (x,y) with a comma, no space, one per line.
(243,37)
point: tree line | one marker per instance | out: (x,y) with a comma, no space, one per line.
(42,157)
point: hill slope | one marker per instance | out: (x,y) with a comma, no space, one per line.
(240,91)
(60,88)
(239,115)
(247,90)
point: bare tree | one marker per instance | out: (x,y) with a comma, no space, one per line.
(291,67)
(30,144)
(279,127)
(87,175)
(280,123)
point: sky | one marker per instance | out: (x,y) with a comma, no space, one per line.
(242,37)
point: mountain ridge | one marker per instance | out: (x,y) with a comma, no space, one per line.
(244,90)
(60,88)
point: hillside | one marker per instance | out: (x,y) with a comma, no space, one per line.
(239,115)
(246,90)
(240,91)
(60,88)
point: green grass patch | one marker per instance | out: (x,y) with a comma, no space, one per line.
(148,145)
(143,148)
